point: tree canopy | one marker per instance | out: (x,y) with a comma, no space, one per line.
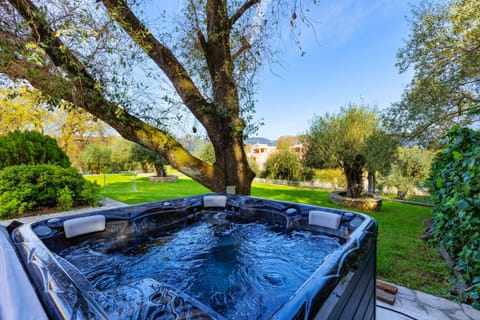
(443,51)
(89,53)
(409,168)
(21,108)
(334,141)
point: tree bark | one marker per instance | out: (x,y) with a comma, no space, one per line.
(354,173)
(160,170)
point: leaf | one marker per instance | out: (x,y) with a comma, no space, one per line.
(457,155)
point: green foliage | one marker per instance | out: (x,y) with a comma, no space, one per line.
(333,176)
(30,147)
(443,53)
(410,167)
(28,187)
(380,152)
(147,157)
(97,158)
(285,142)
(455,187)
(65,199)
(340,141)
(282,165)
(122,155)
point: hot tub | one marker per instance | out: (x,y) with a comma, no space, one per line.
(213,256)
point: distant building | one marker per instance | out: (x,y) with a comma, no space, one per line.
(298,149)
(258,153)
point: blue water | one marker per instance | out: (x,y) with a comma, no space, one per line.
(242,271)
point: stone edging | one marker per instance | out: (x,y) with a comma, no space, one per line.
(372,203)
(163,179)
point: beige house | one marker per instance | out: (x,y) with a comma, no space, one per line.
(258,153)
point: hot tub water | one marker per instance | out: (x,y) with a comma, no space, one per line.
(239,270)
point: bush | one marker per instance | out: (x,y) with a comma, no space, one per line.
(65,199)
(282,165)
(455,187)
(28,187)
(30,147)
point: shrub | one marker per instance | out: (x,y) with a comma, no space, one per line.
(65,199)
(282,165)
(30,147)
(28,187)
(455,187)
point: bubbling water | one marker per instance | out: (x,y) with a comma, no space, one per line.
(242,271)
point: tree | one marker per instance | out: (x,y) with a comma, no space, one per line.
(443,51)
(97,158)
(285,142)
(339,141)
(30,147)
(410,168)
(380,153)
(122,154)
(210,66)
(75,128)
(19,110)
(147,157)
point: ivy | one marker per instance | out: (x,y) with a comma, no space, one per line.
(455,187)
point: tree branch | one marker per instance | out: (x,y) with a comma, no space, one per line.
(245,47)
(95,103)
(162,56)
(238,14)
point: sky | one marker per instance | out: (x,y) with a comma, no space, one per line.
(349,59)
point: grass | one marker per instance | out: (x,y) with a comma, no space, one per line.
(410,197)
(402,257)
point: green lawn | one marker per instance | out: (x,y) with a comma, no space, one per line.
(403,258)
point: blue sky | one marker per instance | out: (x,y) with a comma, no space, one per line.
(351,59)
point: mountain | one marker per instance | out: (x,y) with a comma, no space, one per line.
(261,141)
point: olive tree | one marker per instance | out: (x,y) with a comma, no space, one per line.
(380,153)
(443,52)
(87,53)
(334,141)
(409,168)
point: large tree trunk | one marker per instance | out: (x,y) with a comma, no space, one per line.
(231,167)
(160,170)
(220,117)
(354,174)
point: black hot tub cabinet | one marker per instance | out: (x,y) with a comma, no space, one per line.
(342,287)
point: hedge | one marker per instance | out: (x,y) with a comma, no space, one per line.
(29,187)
